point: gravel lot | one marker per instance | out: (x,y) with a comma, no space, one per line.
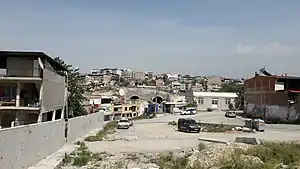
(147,138)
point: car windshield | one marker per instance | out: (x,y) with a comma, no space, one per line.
(123,121)
(191,122)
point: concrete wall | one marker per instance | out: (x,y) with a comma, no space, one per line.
(275,113)
(20,66)
(53,90)
(23,146)
(80,126)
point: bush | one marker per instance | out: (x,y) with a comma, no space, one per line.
(208,127)
(170,161)
(201,146)
(287,153)
(173,123)
(107,129)
(209,109)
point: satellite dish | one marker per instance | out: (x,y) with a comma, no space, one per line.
(121,92)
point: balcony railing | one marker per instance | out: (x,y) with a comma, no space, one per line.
(11,102)
(7,101)
(22,72)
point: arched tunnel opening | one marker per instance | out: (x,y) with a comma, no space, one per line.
(157,99)
(134,98)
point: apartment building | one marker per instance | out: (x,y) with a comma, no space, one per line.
(125,110)
(103,103)
(31,89)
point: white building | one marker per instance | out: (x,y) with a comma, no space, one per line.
(211,100)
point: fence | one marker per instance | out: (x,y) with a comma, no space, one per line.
(23,146)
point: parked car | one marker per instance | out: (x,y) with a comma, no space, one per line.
(188,125)
(177,110)
(131,121)
(189,111)
(123,124)
(230,114)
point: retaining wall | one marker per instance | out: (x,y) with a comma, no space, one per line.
(80,126)
(23,146)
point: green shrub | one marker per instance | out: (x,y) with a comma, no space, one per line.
(109,128)
(201,146)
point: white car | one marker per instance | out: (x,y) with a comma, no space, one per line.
(189,111)
(123,124)
(177,110)
(130,121)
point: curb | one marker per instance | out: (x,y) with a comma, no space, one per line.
(214,141)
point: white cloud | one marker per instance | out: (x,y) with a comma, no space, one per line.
(270,49)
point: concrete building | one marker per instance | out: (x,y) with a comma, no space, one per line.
(173,77)
(159,82)
(211,100)
(103,103)
(125,110)
(277,98)
(139,75)
(31,90)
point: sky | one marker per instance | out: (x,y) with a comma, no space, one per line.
(231,38)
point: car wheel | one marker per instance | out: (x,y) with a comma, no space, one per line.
(198,131)
(188,130)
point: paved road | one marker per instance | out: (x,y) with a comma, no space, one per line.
(218,117)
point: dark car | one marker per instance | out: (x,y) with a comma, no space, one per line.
(230,114)
(188,125)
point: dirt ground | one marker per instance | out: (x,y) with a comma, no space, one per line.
(152,137)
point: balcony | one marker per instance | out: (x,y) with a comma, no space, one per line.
(20,75)
(19,97)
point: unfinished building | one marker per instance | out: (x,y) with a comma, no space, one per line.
(276,99)
(31,89)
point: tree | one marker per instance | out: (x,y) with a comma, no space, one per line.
(230,106)
(239,100)
(230,87)
(75,89)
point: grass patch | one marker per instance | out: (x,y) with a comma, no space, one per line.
(171,161)
(268,155)
(201,146)
(287,153)
(109,128)
(208,127)
(82,156)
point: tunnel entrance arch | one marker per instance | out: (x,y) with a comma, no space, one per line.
(157,99)
(135,97)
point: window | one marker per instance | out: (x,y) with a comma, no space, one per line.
(214,101)
(227,100)
(125,108)
(200,100)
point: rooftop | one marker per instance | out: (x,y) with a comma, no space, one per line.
(54,64)
(215,94)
